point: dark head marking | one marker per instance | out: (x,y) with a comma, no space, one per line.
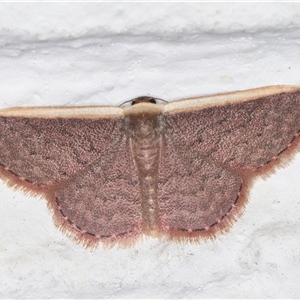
(143,99)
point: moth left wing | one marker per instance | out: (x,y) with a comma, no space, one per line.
(80,160)
(43,147)
(102,202)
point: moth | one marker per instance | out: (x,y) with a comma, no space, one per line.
(181,170)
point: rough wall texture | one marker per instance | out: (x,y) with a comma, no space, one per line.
(103,53)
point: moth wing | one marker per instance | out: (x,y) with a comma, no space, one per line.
(79,158)
(42,147)
(242,131)
(103,202)
(191,197)
(213,147)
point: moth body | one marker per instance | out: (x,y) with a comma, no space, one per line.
(182,170)
(145,122)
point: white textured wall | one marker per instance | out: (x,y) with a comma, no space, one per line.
(106,53)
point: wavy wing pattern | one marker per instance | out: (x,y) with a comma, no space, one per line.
(209,155)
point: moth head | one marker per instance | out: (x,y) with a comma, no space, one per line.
(143,99)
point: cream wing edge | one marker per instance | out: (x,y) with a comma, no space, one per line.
(227,98)
(98,112)
(86,112)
